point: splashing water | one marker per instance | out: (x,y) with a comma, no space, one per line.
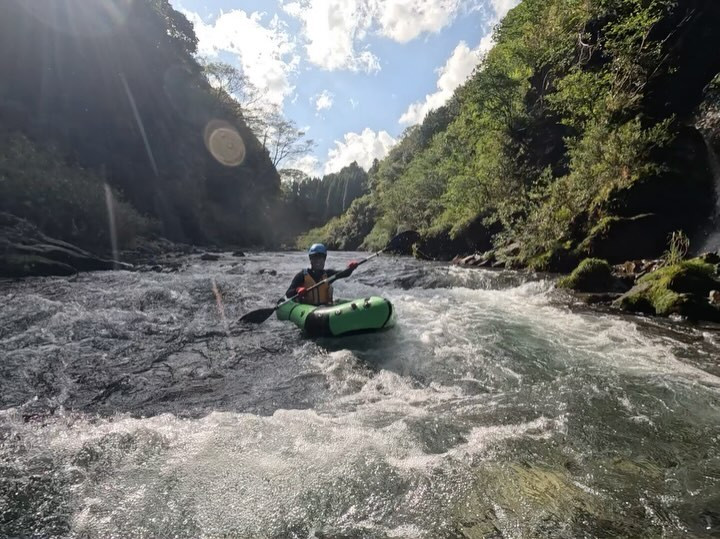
(130,409)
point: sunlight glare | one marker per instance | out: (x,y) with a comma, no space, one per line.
(80,17)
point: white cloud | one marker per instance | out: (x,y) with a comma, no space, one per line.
(501,7)
(323,100)
(354,103)
(334,29)
(266,52)
(404,20)
(457,69)
(361,147)
(331,29)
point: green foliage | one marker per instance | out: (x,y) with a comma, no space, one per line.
(577,104)
(63,201)
(604,159)
(678,247)
(345,232)
(592,275)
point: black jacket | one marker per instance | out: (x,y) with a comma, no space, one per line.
(299,279)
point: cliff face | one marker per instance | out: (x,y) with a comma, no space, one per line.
(112,87)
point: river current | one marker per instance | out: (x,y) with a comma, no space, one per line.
(134,405)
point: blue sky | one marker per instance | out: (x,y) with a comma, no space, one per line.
(355,73)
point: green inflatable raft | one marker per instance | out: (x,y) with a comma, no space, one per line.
(346,317)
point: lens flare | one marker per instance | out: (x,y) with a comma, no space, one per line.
(224,143)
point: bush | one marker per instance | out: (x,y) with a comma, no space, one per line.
(346,232)
(65,202)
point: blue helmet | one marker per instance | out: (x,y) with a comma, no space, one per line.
(317,249)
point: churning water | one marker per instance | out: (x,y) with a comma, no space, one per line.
(134,405)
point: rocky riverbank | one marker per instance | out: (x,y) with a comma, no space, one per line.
(689,289)
(25,251)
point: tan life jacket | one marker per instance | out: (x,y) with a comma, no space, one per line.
(322,295)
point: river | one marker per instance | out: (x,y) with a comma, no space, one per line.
(134,405)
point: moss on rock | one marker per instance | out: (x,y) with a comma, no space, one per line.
(592,275)
(680,289)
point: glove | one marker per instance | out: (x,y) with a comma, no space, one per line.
(300,290)
(352,265)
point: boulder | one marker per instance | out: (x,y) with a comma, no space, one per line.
(681,289)
(210,257)
(238,254)
(592,275)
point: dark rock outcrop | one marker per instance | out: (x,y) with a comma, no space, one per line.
(617,239)
(444,245)
(26,252)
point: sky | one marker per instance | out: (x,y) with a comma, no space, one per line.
(353,74)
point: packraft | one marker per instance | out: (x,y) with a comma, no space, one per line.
(346,317)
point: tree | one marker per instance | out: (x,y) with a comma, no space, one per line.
(283,139)
(233,87)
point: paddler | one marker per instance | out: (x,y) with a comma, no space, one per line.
(323,294)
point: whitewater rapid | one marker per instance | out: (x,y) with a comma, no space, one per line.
(134,405)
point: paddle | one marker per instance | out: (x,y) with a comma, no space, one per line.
(401,240)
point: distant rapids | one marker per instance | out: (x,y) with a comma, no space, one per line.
(133,405)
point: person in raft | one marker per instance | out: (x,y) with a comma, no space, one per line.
(322,295)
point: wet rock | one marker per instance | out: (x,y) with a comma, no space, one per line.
(710,258)
(632,270)
(681,289)
(477,259)
(592,275)
(714,297)
(604,298)
(25,251)
(210,257)
(268,272)
(238,254)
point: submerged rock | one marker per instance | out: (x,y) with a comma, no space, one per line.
(681,289)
